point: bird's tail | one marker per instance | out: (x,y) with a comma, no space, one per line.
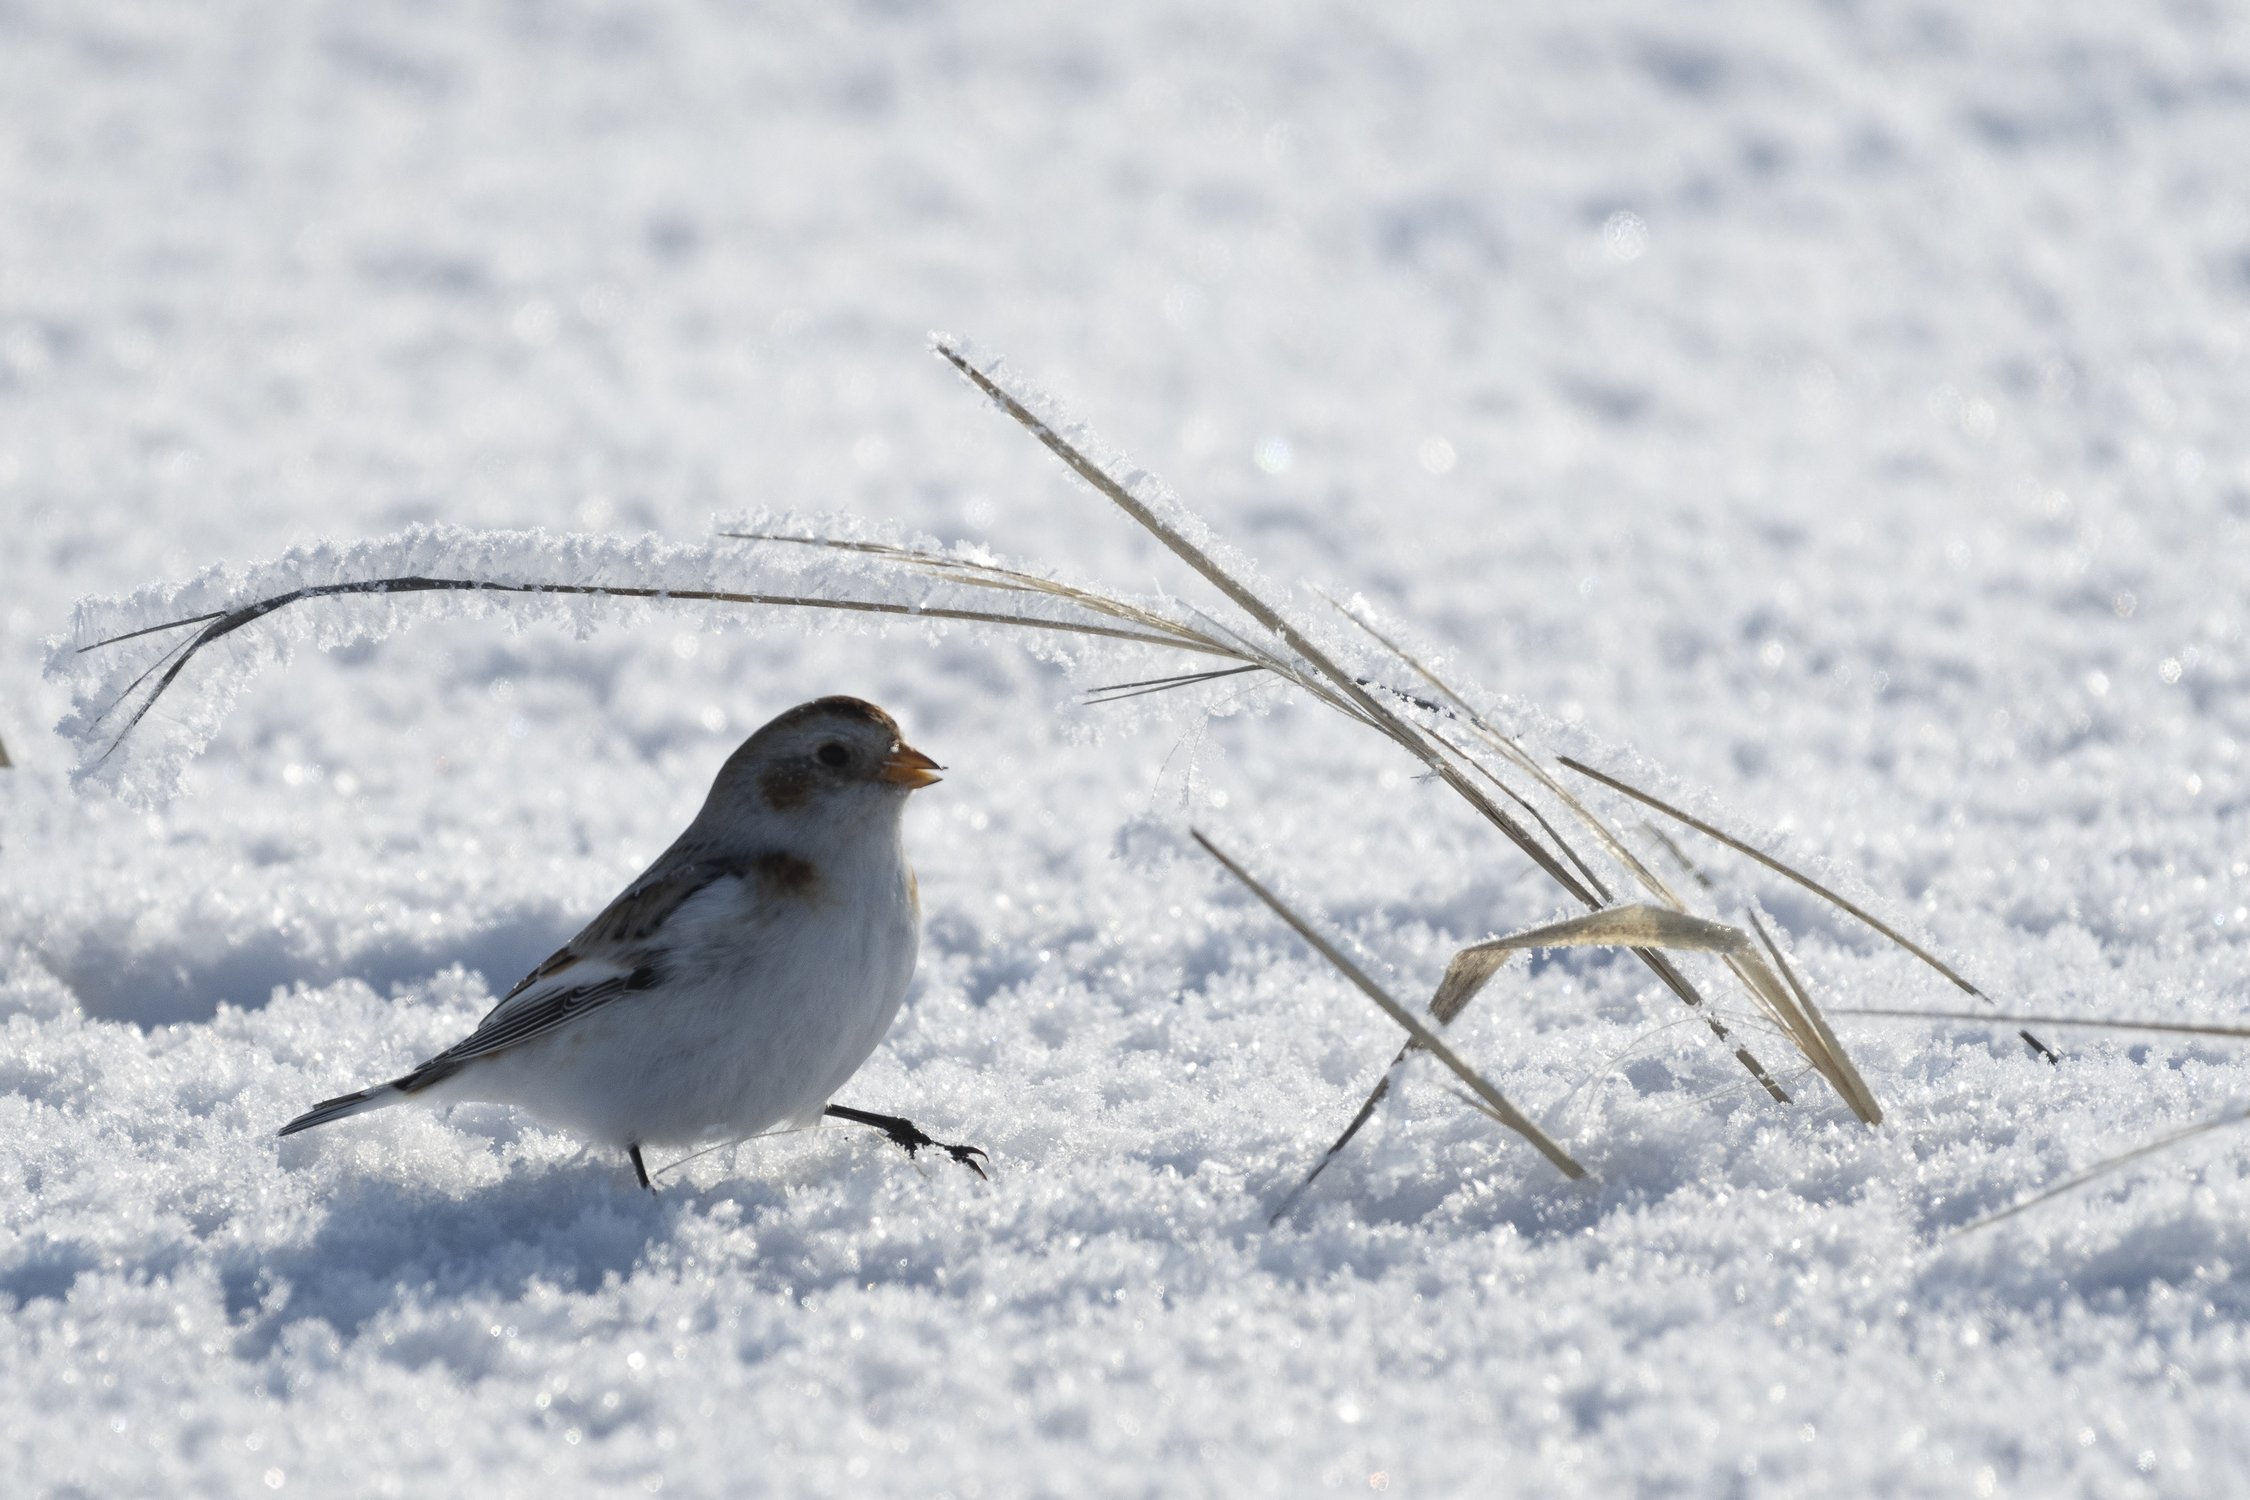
(345,1104)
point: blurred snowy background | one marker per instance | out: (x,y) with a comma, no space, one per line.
(1839,405)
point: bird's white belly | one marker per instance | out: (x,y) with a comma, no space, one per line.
(756,1023)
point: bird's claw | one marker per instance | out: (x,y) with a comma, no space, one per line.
(914,1138)
(961,1154)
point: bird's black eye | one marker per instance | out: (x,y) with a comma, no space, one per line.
(832,754)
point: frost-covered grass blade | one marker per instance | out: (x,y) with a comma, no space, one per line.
(2109,1164)
(1664,928)
(1790,872)
(1488,1098)
(2012,1018)
(2106,1166)
(1098,617)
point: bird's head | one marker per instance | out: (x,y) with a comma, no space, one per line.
(830,759)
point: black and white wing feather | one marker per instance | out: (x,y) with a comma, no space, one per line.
(615,956)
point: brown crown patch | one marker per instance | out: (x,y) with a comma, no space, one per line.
(838,707)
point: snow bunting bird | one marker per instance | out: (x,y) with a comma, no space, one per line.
(739,981)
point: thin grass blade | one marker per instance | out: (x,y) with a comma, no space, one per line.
(1340,681)
(1846,1076)
(1366,1112)
(220,626)
(1647,799)
(1517,756)
(1506,1113)
(2010,1018)
(1652,927)
(1679,856)
(2103,1168)
(1118,692)
(992,575)
(134,635)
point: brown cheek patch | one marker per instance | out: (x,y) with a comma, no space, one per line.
(786,788)
(785,875)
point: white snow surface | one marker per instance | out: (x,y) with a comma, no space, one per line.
(1833,411)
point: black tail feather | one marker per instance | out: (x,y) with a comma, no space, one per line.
(330,1109)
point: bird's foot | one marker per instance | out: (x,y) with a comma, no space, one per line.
(911,1138)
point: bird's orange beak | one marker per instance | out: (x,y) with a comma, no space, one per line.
(909,768)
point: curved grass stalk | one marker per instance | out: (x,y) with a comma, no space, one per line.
(218,624)
(993,576)
(1784,1001)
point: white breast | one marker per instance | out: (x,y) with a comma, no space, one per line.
(770,999)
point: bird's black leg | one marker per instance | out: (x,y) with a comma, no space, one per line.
(908,1136)
(639,1170)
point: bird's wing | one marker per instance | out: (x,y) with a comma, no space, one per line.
(627,923)
(612,958)
(533,1012)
